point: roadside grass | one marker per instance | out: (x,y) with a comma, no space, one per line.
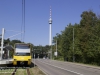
(85,64)
(36,71)
(59,58)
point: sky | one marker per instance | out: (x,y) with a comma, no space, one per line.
(37,14)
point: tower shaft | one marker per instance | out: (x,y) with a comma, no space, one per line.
(50,24)
(50,37)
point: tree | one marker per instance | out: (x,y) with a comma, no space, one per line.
(86,39)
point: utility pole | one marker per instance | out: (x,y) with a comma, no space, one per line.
(2,42)
(23,20)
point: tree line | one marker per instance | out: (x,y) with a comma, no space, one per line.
(80,42)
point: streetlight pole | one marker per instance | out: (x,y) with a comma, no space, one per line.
(2,41)
(73,46)
(56,48)
(34,57)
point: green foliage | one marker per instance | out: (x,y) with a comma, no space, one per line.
(41,51)
(60,58)
(86,44)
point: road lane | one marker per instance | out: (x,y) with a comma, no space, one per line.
(66,68)
(80,68)
(50,70)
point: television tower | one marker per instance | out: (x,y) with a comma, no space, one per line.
(50,23)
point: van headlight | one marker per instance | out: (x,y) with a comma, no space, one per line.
(14,59)
(29,59)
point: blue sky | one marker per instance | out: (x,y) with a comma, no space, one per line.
(37,16)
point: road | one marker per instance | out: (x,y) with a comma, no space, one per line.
(53,67)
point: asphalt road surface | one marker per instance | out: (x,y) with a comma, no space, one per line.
(53,67)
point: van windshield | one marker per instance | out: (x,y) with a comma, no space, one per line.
(22,54)
(22,46)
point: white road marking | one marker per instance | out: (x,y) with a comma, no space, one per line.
(62,68)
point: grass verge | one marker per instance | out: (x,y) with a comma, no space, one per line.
(36,71)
